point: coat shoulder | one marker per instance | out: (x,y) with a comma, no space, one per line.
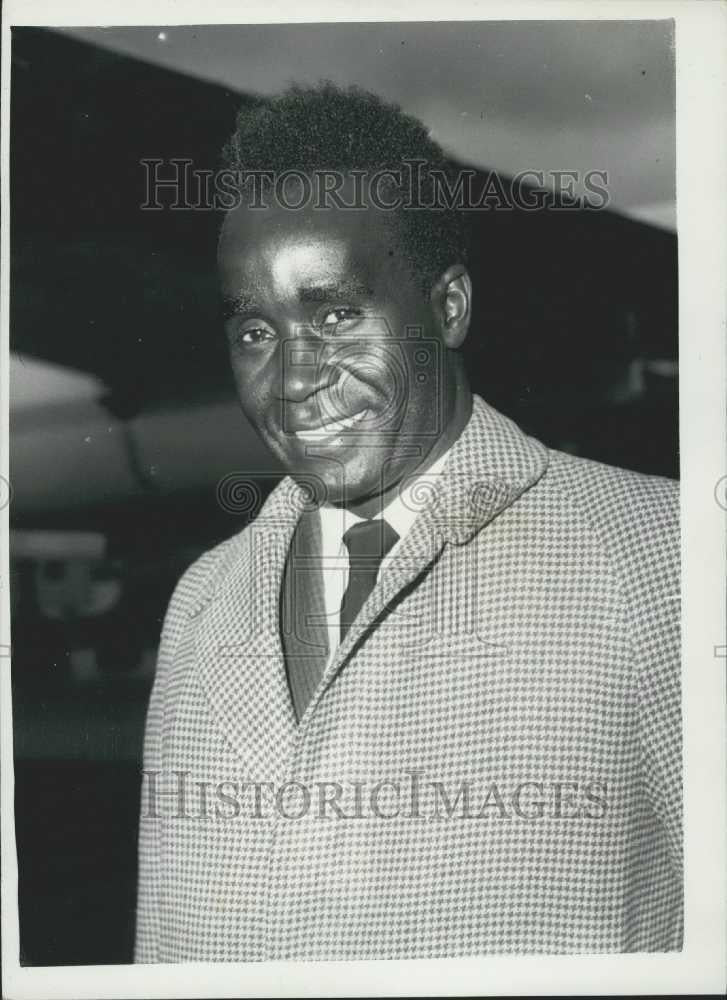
(617,498)
(635,517)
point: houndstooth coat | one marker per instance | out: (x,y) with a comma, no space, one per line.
(511,688)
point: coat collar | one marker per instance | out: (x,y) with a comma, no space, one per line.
(491,464)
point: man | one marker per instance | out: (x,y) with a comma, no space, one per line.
(427,703)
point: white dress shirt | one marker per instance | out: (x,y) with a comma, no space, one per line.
(400,512)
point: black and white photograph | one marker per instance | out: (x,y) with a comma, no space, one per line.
(351,500)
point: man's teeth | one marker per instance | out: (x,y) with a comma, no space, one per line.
(331,428)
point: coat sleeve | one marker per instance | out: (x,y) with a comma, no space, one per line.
(637,520)
(149,900)
(658,642)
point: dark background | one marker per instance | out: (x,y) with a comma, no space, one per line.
(575,316)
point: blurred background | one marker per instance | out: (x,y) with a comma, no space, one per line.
(124,428)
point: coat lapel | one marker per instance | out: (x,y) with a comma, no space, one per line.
(239,652)
(303,612)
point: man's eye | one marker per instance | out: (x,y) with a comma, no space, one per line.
(255,335)
(341,318)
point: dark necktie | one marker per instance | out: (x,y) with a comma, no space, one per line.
(367,543)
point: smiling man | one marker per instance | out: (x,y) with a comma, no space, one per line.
(427,704)
(346,370)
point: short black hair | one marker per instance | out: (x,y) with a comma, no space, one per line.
(326,127)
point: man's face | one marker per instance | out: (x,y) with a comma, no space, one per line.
(335,350)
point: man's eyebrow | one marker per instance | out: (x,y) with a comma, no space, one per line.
(333,290)
(246,302)
(243,302)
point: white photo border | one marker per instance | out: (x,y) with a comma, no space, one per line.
(701,41)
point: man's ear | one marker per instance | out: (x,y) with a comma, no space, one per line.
(452,304)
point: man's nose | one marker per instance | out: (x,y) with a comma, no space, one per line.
(304,366)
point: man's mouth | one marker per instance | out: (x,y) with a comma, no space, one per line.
(332,427)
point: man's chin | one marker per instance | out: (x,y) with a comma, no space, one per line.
(333,486)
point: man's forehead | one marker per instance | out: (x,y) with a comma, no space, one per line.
(294,263)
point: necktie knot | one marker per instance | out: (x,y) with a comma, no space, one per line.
(369,541)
